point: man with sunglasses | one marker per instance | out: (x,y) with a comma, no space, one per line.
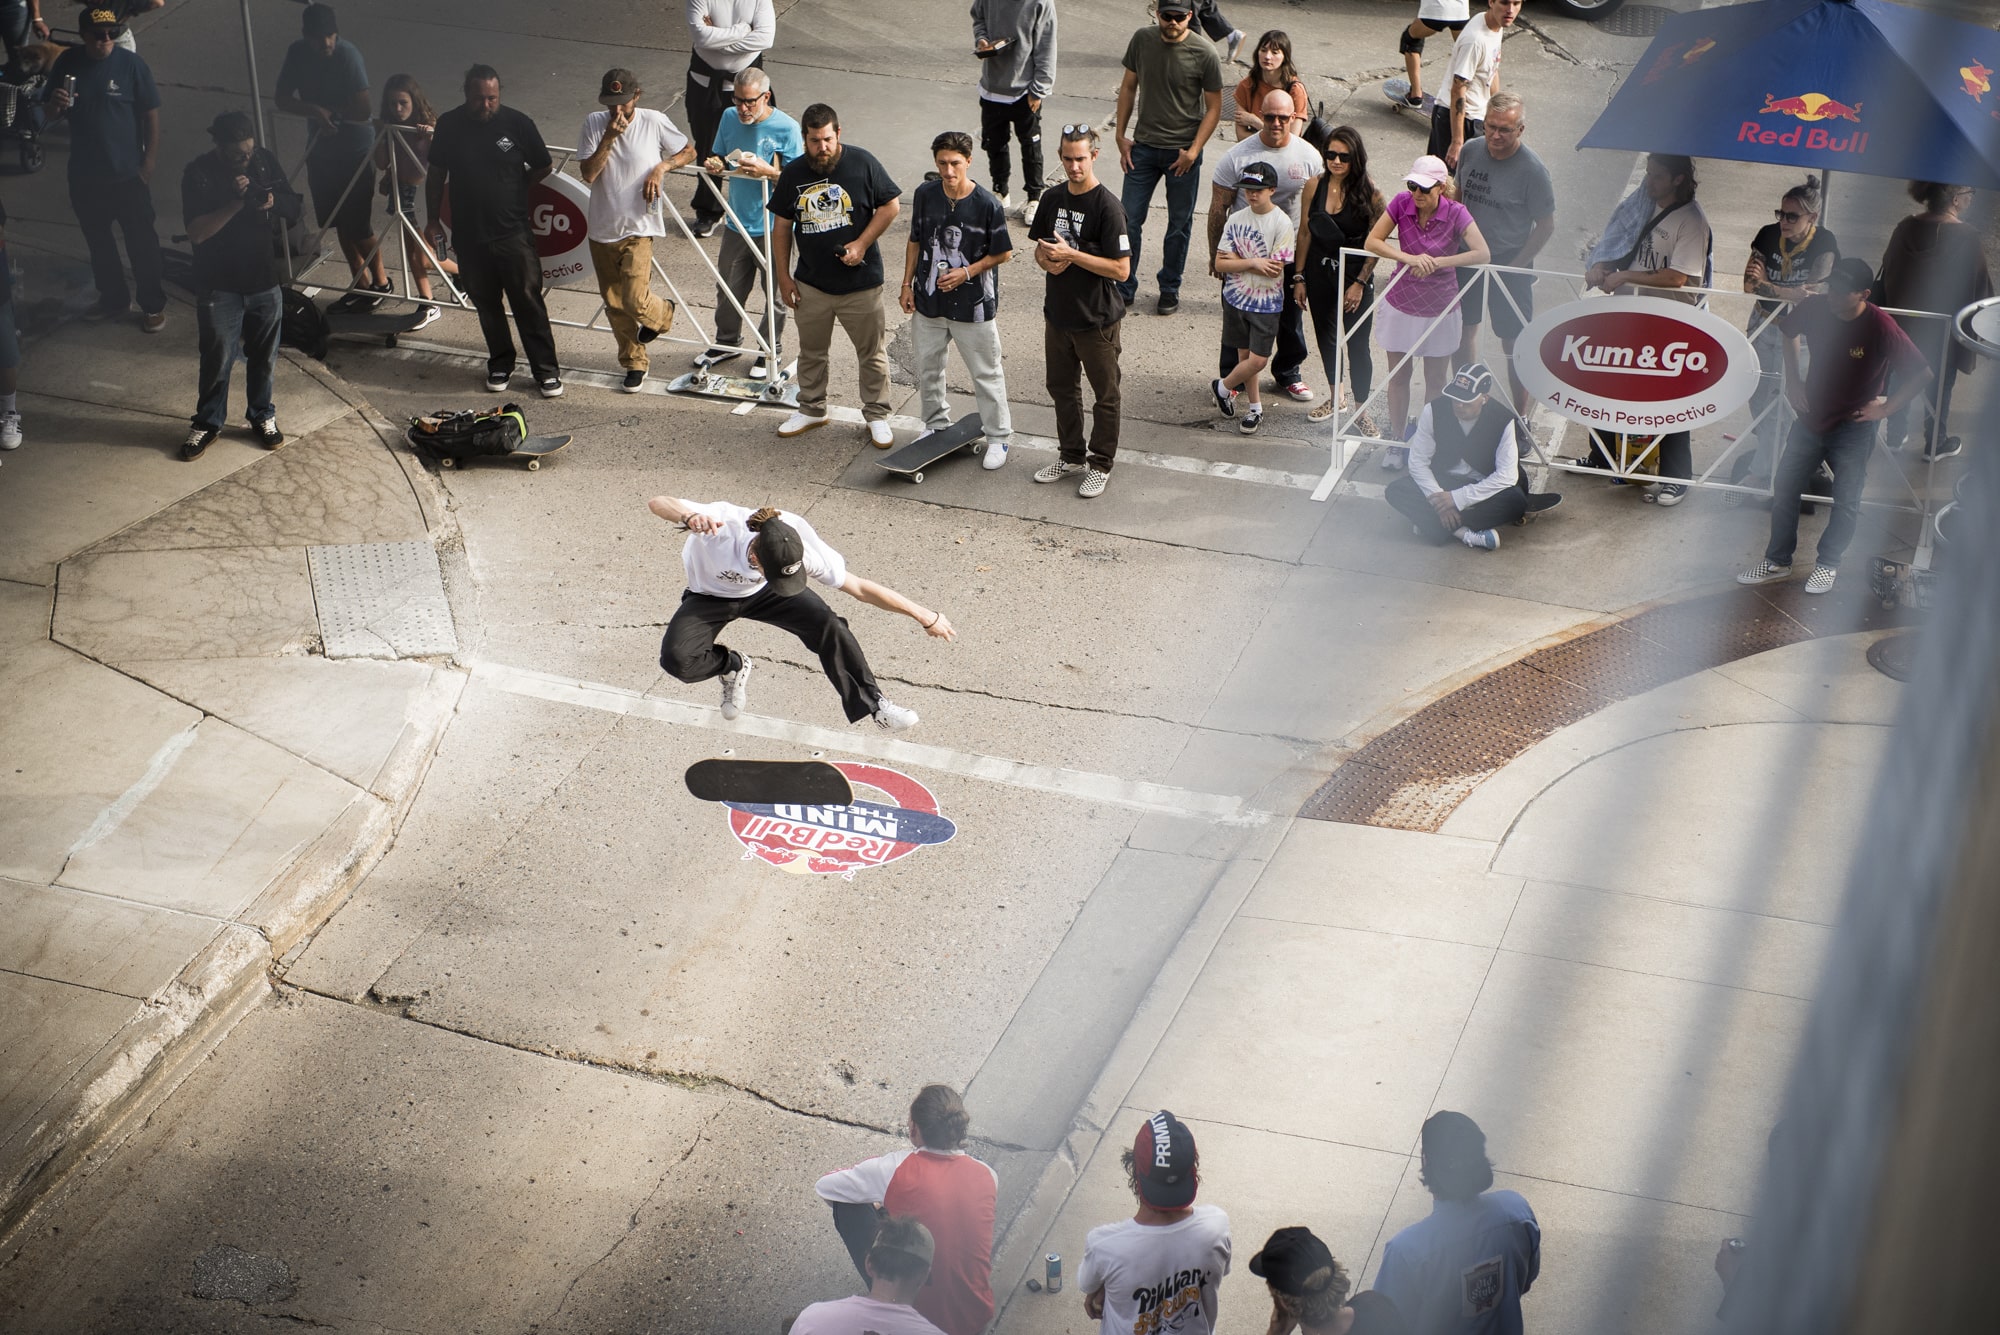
(114,119)
(1295,165)
(1507,190)
(729,36)
(751,146)
(1177,86)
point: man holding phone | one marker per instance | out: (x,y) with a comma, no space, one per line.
(1015,41)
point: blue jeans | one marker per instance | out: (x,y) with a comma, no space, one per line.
(1844,448)
(1149,165)
(229,323)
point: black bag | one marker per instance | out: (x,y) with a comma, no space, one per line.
(1318,129)
(463,433)
(302,325)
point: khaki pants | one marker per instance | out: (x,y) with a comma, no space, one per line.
(625,276)
(867,325)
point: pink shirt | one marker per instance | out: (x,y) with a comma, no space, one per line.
(1443,235)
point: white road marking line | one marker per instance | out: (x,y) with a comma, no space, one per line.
(1107,788)
(157,770)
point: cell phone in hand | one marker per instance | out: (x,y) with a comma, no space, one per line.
(994,49)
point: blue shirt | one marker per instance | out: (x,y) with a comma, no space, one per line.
(1462,1270)
(113,96)
(330,82)
(777,134)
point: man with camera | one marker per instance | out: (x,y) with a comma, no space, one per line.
(232,199)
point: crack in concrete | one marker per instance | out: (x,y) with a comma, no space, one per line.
(1561,52)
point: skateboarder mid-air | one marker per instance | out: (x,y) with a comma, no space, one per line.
(744,563)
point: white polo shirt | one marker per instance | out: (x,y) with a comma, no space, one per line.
(718,563)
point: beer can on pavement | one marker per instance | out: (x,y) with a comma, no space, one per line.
(1052,1278)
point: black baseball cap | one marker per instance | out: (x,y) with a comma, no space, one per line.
(618,87)
(1166,7)
(1258,176)
(1163,1161)
(318,21)
(1470,382)
(781,554)
(1850,274)
(1288,1257)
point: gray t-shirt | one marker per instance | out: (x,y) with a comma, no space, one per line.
(1298,165)
(1173,76)
(1504,195)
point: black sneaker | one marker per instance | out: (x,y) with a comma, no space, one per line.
(496,381)
(633,379)
(552,388)
(760,368)
(354,301)
(1225,397)
(198,439)
(1168,304)
(267,433)
(1544,501)
(715,357)
(647,333)
(1251,421)
(704,229)
(1951,448)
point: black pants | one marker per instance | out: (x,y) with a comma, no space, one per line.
(509,268)
(1493,512)
(706,105)
(1208,13)
(997,121)
(857,1226)
(1674,459)
(1440,139)
(129,204)
(1289,357)
(1324,295)
(689,652)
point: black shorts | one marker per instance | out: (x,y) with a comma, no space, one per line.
(330,174)
(1506,324)
(1440,139)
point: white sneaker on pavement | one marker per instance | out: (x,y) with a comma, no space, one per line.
(880,436)
(736,689)
(799,423)
(10,432)
(1821,579)
(894,718)
(1480,539)
(1093,483)
(996,454)
(1765,572)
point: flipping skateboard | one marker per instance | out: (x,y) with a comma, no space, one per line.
(534,449)
(1398,93)
(714,385)
(927,449)
(769,782)
(375,326)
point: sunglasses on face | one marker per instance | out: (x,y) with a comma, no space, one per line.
(1280,116)
(104,34)
(1420,189)
(1335,155)
(1786,215)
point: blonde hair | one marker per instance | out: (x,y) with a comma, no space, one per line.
(1325,1293)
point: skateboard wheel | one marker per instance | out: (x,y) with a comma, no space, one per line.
(916,477)
(534,465)
(446,461)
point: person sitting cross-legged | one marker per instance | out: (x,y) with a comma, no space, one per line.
(1465,476)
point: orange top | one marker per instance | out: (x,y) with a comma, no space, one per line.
(1248,96)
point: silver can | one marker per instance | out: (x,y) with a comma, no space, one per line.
(1052,1274)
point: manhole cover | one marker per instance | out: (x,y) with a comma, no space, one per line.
(381,600)
(1894,655)
(1633,20)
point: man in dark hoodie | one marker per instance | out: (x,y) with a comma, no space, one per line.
(1016,43)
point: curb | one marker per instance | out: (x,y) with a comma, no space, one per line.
(176,1027)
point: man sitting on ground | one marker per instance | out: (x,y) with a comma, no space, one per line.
(1465,477)
(898,1264)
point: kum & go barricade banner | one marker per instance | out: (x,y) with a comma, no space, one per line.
(1638,365)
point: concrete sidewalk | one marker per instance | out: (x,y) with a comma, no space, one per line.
(189,785)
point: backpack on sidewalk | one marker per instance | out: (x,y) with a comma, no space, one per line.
(463,433)
(303,325)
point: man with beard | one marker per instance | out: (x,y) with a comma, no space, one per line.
(490,156)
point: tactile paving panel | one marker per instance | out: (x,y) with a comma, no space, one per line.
(1415,774)
(1633,20)
(381,600)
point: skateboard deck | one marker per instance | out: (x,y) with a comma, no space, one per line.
(927,449)
(372,326)
(1397,90)
(769,782)
(714,385)
(534,449)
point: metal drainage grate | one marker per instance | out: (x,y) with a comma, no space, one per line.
(381,600)
(1415,774)
(1633,20)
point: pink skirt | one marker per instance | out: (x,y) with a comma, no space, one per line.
(1399,331)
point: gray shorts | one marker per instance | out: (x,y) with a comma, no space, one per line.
(1255,330)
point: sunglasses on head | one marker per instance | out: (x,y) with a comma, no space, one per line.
(1786,215)
(1069,130)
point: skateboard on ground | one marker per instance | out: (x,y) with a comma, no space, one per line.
(534,449)
(715,385)
(373,326)
(770,782)
(1398,91)
(912,459)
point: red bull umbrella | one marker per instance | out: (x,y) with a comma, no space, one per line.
(1839,85)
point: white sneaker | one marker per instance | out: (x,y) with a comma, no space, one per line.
(799,423)
(1093,483)
(10,434)
(880,436)
(1821,579)
(736,689)
(1007,201)
(996,454)
(1480,539)
(894,718)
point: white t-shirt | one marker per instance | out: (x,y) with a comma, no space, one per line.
(1680,242)
(1250,235)
(1475,58)
(1298,165)
(718,564)
(1157,1279)
(618,206)
(862,1315)
(1450,11)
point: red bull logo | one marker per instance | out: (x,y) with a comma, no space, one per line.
(1807,108)
(1978,80)
(843,840)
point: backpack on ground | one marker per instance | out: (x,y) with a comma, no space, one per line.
(303,325)
(463,433)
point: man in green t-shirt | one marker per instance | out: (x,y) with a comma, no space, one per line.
(1177,84)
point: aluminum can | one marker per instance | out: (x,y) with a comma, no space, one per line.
(1052,1274)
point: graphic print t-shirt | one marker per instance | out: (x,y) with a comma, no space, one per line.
(951,234)
(718,564)
(1782,268)
(1850,359)
(1094,223)
(1158,1280)
(829,209)
(1258,236)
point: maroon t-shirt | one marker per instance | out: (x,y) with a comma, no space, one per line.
(1851,359)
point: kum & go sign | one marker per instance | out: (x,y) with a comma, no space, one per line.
(1636,364)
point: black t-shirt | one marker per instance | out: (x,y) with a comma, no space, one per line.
(1094,223)
(490,165)
(242,257)
(1812,261)
(952,234)
(106,122)
(829,209)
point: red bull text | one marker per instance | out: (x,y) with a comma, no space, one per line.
(1807,107)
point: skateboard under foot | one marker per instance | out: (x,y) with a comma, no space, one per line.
(912,459)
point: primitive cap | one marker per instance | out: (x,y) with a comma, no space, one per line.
(1470,382)
(781,553)
(1258,176)
(1163,1161)
(905,1234)
(1289,1257)
(618,88)
(319,21)
(1850,273)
